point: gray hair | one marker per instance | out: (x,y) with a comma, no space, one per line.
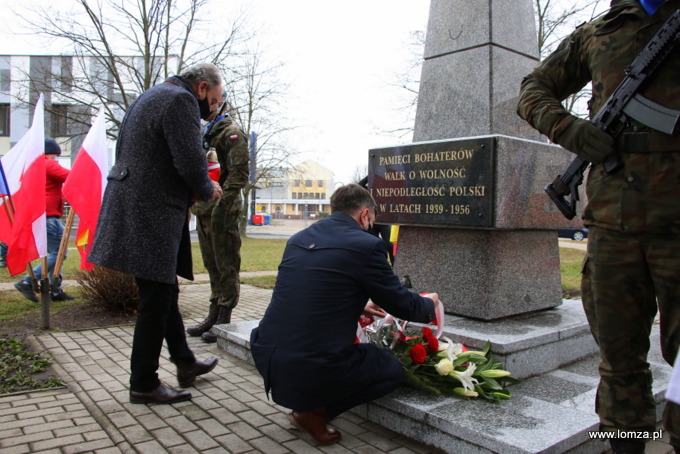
(203,72)
(351,198)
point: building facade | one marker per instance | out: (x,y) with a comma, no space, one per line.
(301,192)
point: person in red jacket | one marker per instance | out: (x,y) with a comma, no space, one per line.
(54,204)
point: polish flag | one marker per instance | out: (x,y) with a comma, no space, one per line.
(24,165)
(85,184)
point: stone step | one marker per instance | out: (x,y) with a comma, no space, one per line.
(551,412)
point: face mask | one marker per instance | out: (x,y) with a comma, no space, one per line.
(204,106)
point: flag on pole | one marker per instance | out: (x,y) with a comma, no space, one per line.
(24,167)
(85,184)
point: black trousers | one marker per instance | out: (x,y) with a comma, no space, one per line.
(158,318)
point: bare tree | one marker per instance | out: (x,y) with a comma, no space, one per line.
(555,19)
(360,172)
(255,96)
(118,49)
(407,83)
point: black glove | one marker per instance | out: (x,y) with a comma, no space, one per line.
(588,141)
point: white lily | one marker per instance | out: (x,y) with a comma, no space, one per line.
(466,377)
(449,351)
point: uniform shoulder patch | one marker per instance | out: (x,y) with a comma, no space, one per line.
(233,136)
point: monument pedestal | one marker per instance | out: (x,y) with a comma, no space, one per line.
(483,274)
(550,412)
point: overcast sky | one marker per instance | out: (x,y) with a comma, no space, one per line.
(340,58)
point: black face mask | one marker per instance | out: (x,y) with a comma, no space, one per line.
(204,107)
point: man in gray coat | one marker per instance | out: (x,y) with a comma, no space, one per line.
(143,229)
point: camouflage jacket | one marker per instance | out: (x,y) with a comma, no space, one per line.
(231,145)
(643,196)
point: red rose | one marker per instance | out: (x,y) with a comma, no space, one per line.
(433,344)
(418,354)
(365,320)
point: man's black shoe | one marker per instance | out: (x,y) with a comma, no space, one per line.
(160,395)
(187,373)
(26,290)
(61,296)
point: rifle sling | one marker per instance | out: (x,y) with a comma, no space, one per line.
(647,142)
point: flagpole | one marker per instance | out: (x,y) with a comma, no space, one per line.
(62,248)
(45,295)
(9,209)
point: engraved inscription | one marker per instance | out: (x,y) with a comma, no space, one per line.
(434,183)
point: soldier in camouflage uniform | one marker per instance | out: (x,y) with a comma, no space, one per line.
(633,257)
(217,224)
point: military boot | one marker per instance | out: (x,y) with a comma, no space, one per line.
(206,324)
(223,317)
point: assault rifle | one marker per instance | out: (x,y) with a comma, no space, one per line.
(623,104)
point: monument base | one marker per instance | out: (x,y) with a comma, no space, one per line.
(489,274)
(550,412)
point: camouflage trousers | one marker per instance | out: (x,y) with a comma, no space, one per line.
(220,242)
(625,276)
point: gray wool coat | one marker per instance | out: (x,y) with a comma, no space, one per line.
(143,228)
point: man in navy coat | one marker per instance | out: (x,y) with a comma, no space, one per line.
(304,346)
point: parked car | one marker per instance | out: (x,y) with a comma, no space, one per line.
(574,234)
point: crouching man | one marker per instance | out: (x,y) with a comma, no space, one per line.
(304,346)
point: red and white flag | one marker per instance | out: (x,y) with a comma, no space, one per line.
(85,184)
(24,164)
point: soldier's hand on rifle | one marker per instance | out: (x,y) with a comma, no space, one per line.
(217,190)
(586,140)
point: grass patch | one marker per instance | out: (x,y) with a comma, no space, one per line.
(260,281)
(18,368)
(13,305)
(571,261)
(257,254)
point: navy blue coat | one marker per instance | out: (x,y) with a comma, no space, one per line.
(304,346)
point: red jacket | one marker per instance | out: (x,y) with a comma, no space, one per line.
(56,175)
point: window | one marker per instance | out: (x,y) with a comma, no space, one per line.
(321,183)
(323,195)
(308,183)
(5,79)
(296,183)
(4,119)
(295,195)
(66,76)
(59,118)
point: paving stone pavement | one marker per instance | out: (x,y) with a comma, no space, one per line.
(229,411)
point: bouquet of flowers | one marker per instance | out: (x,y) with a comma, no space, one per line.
(441,367)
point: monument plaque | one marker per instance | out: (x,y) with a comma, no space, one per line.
(435,183)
